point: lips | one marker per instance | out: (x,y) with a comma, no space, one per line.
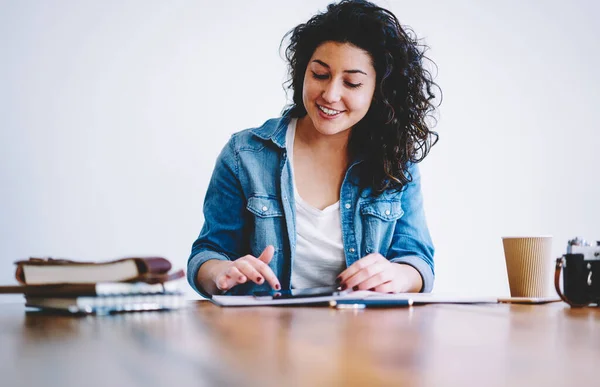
(328,111)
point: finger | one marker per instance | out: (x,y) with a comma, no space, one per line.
(267,254)
(261,267)
(229,278)
(374,281)
(355,282)
(357,266)
(235,274)
(264,270)
(224,282)
(268,274)
(387,287)
(248,270)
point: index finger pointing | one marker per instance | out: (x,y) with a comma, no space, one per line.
(270,277)
(266,271)
(267,254)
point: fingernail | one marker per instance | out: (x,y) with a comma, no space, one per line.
(277,287)
(344,287)
(258,279)
(338,280)
(355,288)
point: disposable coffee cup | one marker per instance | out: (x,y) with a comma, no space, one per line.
(529,265)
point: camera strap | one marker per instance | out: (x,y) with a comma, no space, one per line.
(558,269)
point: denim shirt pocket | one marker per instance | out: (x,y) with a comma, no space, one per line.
(379,220)
(268,223)
(264,206)
(384,210)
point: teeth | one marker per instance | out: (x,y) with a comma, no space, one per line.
(329,112)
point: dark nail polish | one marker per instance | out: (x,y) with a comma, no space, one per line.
(355,288)
(344,287)
(338,280)
(277,287)
(259,279)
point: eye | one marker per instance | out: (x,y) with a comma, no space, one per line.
(319,76)
(326,76)
(353,85)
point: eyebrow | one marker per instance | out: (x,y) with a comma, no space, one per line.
(346,71)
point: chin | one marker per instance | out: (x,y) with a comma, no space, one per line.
(331,129)
(327,127)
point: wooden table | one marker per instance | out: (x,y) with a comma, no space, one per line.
(204,345)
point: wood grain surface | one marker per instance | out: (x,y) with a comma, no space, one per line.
(204,345)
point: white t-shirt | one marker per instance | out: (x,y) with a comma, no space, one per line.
(319,254)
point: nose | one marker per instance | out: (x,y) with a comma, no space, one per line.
(332,92)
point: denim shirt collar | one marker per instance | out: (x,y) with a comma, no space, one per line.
(275,130)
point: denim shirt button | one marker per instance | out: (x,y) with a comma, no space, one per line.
(387,212)
(265,208)
(351,249)
(347,206)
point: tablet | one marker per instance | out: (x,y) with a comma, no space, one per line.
(324,291)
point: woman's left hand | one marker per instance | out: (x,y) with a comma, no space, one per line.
(375,272)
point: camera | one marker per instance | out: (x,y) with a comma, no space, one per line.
(581,273)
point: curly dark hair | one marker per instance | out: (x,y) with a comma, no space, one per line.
(396,131)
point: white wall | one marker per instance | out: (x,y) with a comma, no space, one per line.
(112,114)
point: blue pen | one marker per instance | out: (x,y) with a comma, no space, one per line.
(365,303)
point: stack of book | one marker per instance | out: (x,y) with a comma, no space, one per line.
(123,285)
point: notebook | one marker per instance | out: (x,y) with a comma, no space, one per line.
(97,289)
(102,305)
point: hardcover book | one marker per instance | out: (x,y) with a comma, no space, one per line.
(45,271)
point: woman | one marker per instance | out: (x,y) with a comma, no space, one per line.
(329,192)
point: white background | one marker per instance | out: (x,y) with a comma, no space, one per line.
(112,114)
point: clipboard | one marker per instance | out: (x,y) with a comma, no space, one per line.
(414,298)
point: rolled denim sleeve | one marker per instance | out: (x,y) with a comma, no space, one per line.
(411,242)
(222,235)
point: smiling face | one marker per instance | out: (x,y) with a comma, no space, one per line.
(339,83)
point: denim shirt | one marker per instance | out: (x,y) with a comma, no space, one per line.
(249,205)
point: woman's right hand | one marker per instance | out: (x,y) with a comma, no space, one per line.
(227,274)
